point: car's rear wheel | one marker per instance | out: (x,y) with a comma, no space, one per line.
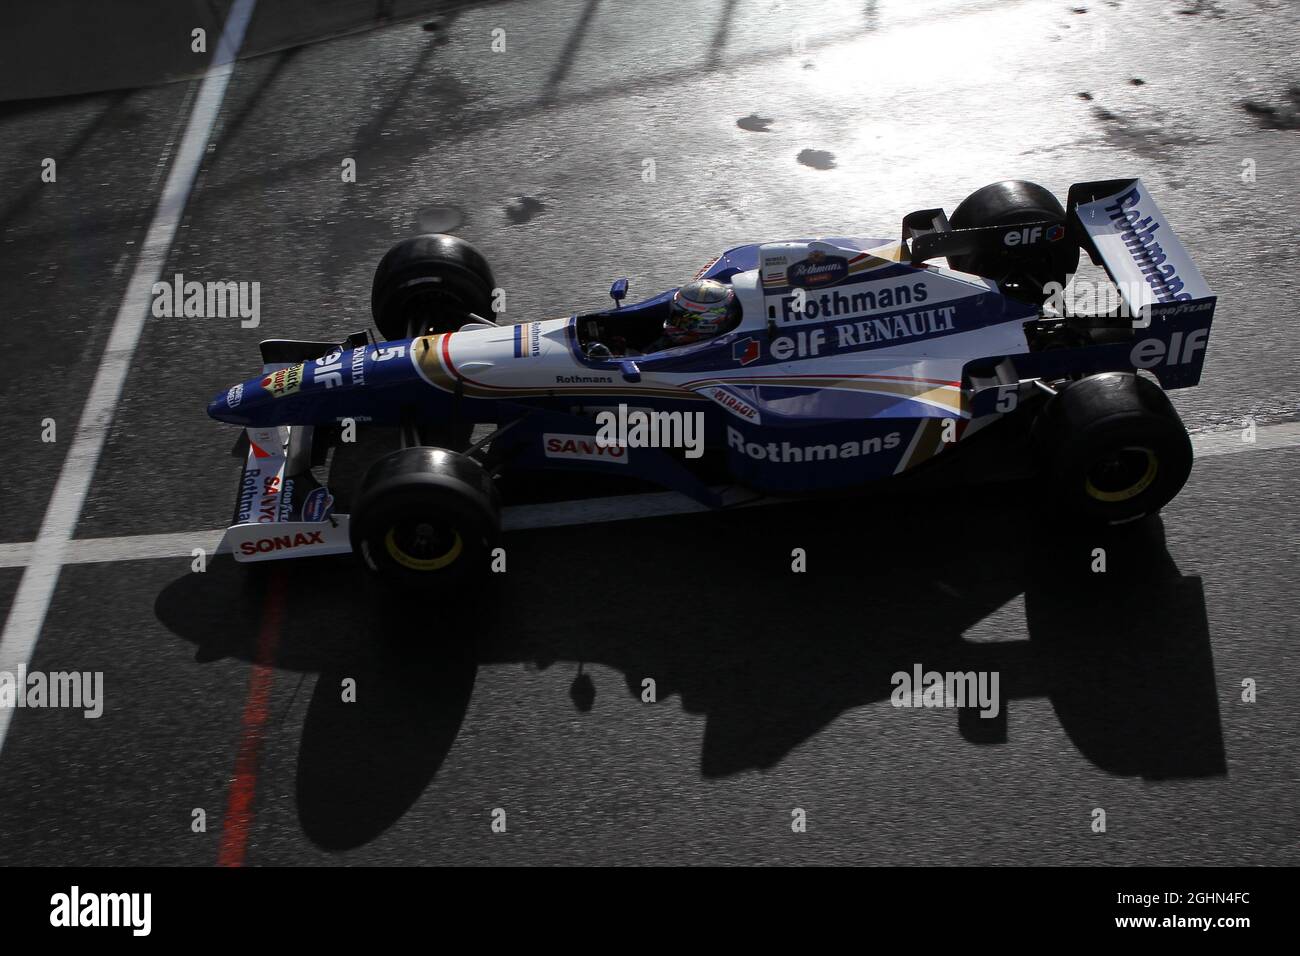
(1111,448)
(430,284)
(425,517)
(1023,272)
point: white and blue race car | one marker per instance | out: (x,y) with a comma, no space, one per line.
(850,360)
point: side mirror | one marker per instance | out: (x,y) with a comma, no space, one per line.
(618,291)
(631,371)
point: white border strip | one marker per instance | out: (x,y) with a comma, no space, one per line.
(1210,444)
(27,613)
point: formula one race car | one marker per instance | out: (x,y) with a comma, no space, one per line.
(833,363)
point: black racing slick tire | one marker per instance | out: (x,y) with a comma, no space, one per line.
(429,284)
(1020,271)
(425,517)
(1111,449)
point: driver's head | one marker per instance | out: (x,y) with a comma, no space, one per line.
(700,310)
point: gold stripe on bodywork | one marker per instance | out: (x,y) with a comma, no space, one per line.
(928,443)
(426,354)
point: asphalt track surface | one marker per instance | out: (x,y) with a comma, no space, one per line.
(1121,691)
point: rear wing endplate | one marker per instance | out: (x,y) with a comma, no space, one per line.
(1119,225)
(1122,229)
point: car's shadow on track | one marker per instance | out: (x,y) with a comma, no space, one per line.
(708,607)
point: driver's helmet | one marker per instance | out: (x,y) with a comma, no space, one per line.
(700,310)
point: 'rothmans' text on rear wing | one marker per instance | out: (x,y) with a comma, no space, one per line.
(1123,230)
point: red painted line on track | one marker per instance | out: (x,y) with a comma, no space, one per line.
(257,709)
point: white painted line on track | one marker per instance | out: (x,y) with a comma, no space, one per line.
(557,514)
(132,548)
(1209,444)
(46,555)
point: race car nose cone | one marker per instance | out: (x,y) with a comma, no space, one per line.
(224,407)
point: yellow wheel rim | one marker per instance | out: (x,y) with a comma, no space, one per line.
(423,564)
(1132,490)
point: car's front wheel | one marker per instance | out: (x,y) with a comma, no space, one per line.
(430,284)
(425,516)
(1111,448)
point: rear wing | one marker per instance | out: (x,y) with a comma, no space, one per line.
(1119,225)
(1115,221)
(1122,229)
